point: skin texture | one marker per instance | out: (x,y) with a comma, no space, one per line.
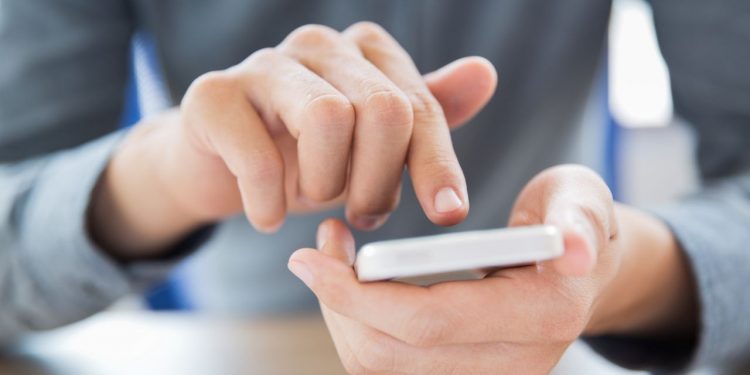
(518,320)
(325,118)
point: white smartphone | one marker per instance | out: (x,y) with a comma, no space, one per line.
(449,255)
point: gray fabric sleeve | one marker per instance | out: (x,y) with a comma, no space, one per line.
(714,231)
(63,74)
(62,84)
(705,44)
(50,272)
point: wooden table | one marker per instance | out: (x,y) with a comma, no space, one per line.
(136,343)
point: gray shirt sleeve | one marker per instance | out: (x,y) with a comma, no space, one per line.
(705,45)
(63,74)
(50,272)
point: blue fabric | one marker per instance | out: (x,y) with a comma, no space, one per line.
(131,110)
(611,135)
(171,294)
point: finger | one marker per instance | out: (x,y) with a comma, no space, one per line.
(313,111)
(364,350)
(463,88)
(217,104)
(542,307)
(334,239)
(335,284)
(346,354)
(383,120)
(438,180)
(579,241)
(372,351)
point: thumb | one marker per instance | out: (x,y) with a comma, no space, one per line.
(335,240)
(579,239)
(329,270)
(578,202)
(463,87)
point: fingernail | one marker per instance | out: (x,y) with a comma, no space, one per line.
(302,272)
(322,236)
(446,200)
(369,221)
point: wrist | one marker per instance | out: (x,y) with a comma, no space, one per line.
(133,213)
(652,293)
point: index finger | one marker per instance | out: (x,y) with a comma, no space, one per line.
(437,176)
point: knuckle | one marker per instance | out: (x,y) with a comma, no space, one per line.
(331,109)
(351,364)
(210,86)
(594,198)
(262,57)
(354,368)
(206,95)
(312,35)
(580,173)
(440,166)
(333,295)
(368,31)
(425,105)
(440,161)
(376,355)
(366,205)
(322,192)
(391,109)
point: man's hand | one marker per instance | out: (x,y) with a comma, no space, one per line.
(513,321)
(323,118)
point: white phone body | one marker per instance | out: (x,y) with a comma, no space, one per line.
(456,252)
